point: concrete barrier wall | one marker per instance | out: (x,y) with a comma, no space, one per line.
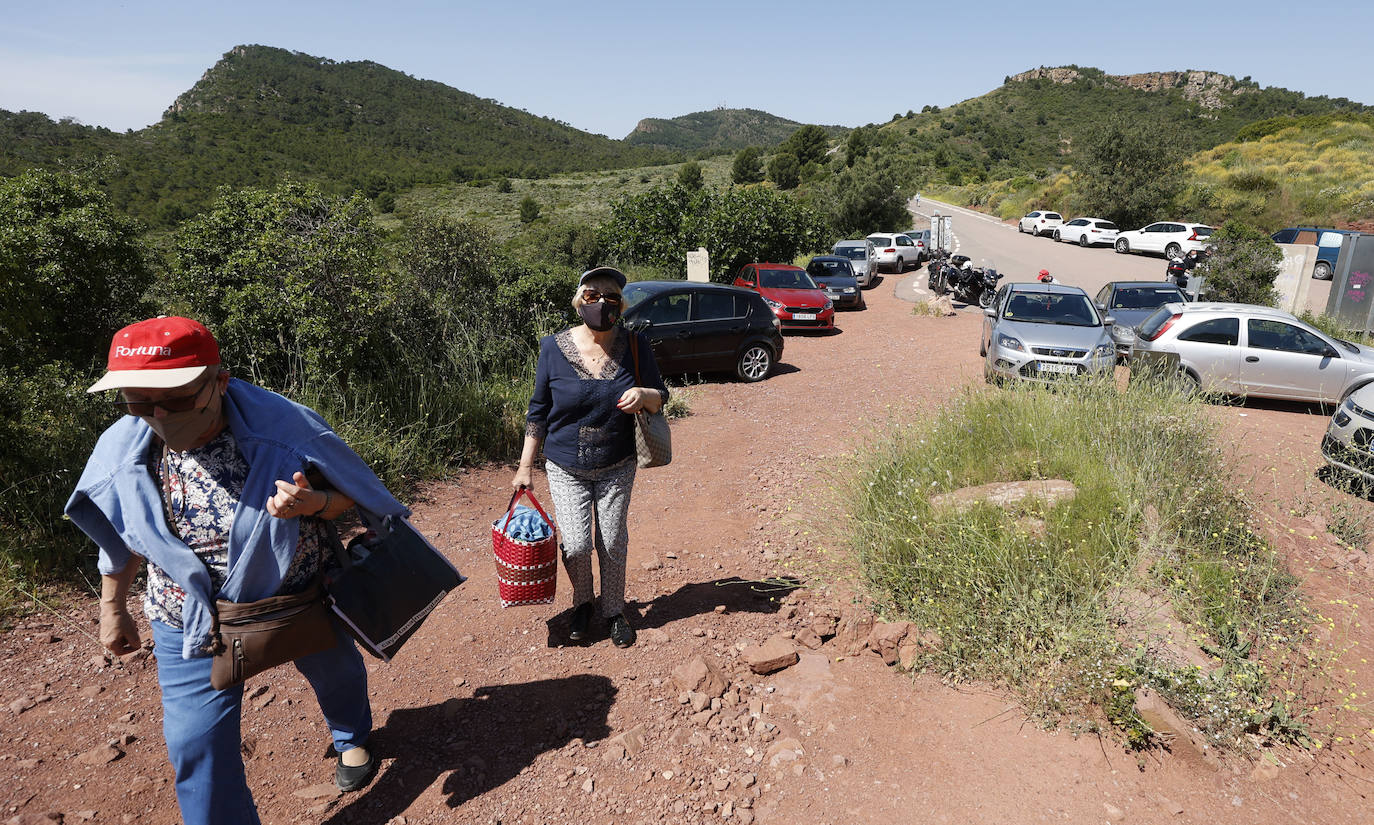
(1295,284)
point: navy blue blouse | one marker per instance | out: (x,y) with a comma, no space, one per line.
(574,411)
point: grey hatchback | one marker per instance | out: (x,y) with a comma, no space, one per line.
(1044,332)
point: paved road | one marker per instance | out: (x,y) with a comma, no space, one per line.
(1019,257)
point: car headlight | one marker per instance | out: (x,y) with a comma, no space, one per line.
(828,304)
(772,304)
(1349,404)
(1008,342)
(1104,350)
(1341,418)
(849,290)
(1126,333)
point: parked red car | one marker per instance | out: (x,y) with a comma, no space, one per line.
(790,293)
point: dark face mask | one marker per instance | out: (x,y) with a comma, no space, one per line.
(600,316)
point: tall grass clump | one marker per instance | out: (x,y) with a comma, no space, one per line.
(1037,598)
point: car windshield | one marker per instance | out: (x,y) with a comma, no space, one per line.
(1145,297)
(1052,308)
(785,279)
(829,269)
(634,294)
(853,253)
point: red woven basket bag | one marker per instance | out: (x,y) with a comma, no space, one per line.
(526,572)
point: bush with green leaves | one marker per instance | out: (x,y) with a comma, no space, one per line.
(1127,173)
(73,272)
(748,166)
(808,144)
(863,199)
(1243,265)
(529,209)
(289,279)
(736,225)
(784,170)
(689,175)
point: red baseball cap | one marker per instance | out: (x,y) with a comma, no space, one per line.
(159,353)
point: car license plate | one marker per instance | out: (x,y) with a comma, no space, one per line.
(803,316)
(1057,367)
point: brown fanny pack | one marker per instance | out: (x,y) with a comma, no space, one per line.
(250,637)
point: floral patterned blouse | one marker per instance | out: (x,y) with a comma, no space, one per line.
(204,485)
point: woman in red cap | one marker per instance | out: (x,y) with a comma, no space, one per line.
(192,480)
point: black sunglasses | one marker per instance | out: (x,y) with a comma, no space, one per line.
(591,296)
(181,403)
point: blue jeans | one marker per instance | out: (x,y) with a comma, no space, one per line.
(201,724)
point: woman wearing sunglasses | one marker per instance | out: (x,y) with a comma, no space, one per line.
(193,479)
(582,415)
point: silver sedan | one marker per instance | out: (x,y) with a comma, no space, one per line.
(1044,332)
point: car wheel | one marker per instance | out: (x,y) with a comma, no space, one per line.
(901,266)
(1020,228)
(1057,236)
(1035,231)
(1083,241)
(1173,250)
(754,363)
(1122,246)
(1322,271)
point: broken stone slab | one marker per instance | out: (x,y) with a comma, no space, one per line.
(1172,729)
(771,656)
(808,638)
(1008,494)
(21,704)
(631,740)
(852,635)
(698,701)
(102,755)
(653,636)
(701,675)
(886,638)
(325,790)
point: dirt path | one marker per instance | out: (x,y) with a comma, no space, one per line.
(483,718)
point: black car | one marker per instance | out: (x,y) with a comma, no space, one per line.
(835,275)
(700,327)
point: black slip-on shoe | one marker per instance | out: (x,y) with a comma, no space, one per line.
(622,635)
(350,777)
(581,620)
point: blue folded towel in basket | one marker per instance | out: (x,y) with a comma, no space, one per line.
(525,525)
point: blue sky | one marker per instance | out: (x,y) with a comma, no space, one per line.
(603,65)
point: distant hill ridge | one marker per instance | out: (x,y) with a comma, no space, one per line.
(719,129)
(1205,88)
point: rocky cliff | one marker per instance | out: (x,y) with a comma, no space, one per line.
(1208,89)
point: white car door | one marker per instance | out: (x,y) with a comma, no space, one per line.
(1152,237)
(1284,361)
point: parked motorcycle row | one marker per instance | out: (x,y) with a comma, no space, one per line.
(957,276)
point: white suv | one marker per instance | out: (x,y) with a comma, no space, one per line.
(1171,238)
(895,251)
(1040,223)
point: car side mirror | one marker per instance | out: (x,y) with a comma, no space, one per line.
(1108,321)
(1101,307)
(991,312)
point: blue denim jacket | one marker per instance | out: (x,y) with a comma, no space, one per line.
(118,504)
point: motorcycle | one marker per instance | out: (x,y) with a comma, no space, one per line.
(935,272)
(972,284)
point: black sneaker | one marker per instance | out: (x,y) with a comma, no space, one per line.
(581,618)
(351,778)
(621,633)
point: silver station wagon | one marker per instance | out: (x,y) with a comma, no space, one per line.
(1243,349)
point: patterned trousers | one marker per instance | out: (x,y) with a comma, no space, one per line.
(592,508)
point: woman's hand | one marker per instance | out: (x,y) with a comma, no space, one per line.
(521,478)
(295,499)
(640,398)
(118,633)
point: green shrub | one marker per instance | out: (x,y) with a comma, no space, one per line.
(1243,265)
(748,166)
(689,175)
(1034,598)
(784,170)
(529,209)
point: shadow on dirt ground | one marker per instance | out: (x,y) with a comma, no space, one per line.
(528,719)
(736,594)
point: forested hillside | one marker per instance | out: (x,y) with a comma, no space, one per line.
(718,130)
(1034,120)
(263,112)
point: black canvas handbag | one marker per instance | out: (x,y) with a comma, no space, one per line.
(390,578)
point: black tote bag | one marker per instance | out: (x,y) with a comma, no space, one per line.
(390,579)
